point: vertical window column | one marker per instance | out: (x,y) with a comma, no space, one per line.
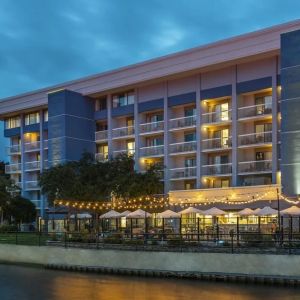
(234,133)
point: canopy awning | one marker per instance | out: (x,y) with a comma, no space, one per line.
(191,210)
(214,211)
(246,212)
(125,213)
(291,211)
(138,214)
(168,214)
(81,216)
(266,211)
(112,214)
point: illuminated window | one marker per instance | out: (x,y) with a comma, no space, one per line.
(130,147)
(13,122)
(32,118)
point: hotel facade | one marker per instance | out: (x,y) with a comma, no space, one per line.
(222,119)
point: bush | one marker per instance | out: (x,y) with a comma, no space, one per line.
(8,228)
(256,239)
(175,241)
(134,242)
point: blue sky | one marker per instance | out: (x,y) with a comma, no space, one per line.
(44,42)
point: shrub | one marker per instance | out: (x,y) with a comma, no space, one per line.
(8,228)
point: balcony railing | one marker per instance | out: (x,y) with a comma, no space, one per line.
(254,111)
(183,147)
(32,146)
(256,166)
(101,157)
(128,152)
(151,127)
(32,185)
(123,132)
(32,165)
(101,135)
(216,143)
(217,169)
(188,172)
(13,149)
(13,168)
(216,117)
(152,151)
(255,138)
(45,144)
(182,122)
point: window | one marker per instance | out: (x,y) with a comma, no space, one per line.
(123,99)
(101,104)
(190,162)
(103,149)
(263,105)
(155,118)
(222,113)
(32,118)
(189,111)
(158,141)
(13,122)
(46,116)
(101,126)
(190,137)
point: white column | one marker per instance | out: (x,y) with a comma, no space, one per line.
(109,126)
(198,130)
(136,130)
(166,140)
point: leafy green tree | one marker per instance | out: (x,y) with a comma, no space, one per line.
(21,210)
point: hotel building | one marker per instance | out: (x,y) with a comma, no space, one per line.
(221,118)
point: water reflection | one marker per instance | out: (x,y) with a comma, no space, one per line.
(30,283)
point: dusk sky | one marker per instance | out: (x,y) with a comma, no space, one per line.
(44,42)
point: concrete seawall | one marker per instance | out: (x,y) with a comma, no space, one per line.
(274,267)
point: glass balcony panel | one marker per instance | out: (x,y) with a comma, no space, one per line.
(32,165)
(101,135)
(13,168)
(32,185)
(183,122)
(123,132)
(183,147)
(255,138)
(255,166)
(13,149)
(217,117)
(217,169)
(151,127)
(32,146)
(254,111)
(216,143)
(188,172)
(152,151)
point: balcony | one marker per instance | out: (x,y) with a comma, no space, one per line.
(32,185)
(183,173)
(253,139)
(153,127)
(123,132)
(215,118)
(182,123)
(128,152)
(13,168)
(101,135)
(13,150)
(217,169)
(254,167)
(152,151)
(45,144)
(254,111)
(183,147)
(101,157)
(32,166)
(46,164)
(216,144)
(32,146)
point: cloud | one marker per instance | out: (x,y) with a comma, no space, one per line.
(47,42)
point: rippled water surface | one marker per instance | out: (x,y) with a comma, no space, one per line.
(32,283)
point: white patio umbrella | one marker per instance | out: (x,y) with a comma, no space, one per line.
(168,214)
(291,211)
(125,213)
(255,211)
(246,212)
(138,214)
(266,211)
(81,216)
(112,214)
(191,210)
(214,211)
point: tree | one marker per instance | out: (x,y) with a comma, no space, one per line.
(21,210)
(87,180)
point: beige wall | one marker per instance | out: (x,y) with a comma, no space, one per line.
(258,264)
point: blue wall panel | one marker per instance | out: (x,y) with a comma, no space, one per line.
(290,112)
(217,92)
(32,128)
(254,85)
(151,105)
(182,99)
(71,126)
(12,132)
(100,115)
(123,111)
